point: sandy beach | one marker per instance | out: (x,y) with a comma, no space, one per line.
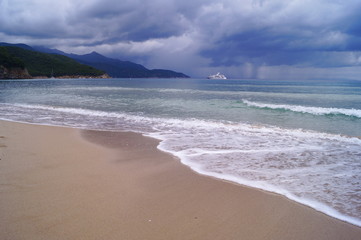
(62,183)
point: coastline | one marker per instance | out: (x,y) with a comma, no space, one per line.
(103,76)
(67,183)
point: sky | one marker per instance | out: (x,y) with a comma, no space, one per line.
(265,39)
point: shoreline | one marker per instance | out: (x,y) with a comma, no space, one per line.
(94,184)
(314,205)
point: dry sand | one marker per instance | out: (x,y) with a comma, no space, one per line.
(56,185)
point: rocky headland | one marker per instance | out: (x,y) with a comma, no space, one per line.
(14,73)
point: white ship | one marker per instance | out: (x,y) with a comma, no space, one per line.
(217,76)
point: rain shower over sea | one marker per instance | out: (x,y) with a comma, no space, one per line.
(300,139)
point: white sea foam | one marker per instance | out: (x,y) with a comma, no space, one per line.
(264,185)
(316,169)
(305,109)
(311,181)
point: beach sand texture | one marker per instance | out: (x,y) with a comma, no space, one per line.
(62,183)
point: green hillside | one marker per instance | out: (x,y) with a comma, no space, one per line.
(43,64)
(9,61)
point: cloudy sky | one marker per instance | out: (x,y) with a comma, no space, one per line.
(240,38)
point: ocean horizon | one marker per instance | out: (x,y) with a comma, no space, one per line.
(297,138)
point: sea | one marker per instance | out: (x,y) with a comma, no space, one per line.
(297,138)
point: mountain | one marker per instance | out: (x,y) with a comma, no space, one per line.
(11,67)
(40,64)
(20,45)
(115,67)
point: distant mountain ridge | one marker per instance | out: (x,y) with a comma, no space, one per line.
(20,45)
(114,67)
(21,61)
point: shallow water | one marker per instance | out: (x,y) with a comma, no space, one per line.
(295,138)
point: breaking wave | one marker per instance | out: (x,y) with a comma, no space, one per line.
(305,109)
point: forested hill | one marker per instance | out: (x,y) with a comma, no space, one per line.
(113,67)
(123,69)
(9,61)
(40,64)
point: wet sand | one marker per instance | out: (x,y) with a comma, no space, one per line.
(62,183)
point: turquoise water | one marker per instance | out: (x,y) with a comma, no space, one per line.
(296,138)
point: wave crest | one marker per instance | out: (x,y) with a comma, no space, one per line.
(305,109)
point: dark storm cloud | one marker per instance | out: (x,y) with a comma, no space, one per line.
(295,37)
(262,47)
(132,20)
(194,36)
(108,19)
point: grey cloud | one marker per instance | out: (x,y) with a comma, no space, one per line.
(288,36)
(135,20)
(219,33)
